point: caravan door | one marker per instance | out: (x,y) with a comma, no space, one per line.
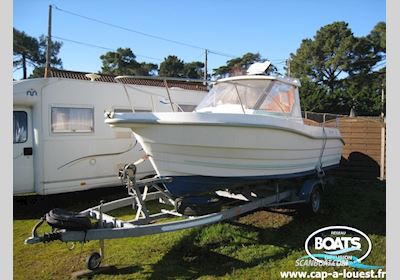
(23,151)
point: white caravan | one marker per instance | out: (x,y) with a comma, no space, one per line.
(61,143)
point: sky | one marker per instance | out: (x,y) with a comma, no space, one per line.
(156,29)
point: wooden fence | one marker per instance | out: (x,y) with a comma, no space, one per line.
(364,153)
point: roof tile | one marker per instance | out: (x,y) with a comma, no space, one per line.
(190,85)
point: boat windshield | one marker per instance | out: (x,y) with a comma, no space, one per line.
(252,97)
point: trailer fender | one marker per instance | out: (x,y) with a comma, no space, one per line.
(308,187)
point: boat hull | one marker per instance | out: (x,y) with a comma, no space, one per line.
(182,186)
(210,155)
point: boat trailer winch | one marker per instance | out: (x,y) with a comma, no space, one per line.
(95,224)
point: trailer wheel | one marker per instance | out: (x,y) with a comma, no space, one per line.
(93,261)
(314,204)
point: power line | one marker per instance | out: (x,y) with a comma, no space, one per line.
(279,61)
(221,53)
(143,33)
(155,36)
(82,43)
(100,47)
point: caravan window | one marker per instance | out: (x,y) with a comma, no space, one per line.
(72,120)
(20,127)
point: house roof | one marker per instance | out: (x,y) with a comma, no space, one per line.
(150,81)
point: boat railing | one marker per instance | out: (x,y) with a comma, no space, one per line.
(167,82)
(322,119)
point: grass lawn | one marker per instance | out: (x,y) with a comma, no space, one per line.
(255,246)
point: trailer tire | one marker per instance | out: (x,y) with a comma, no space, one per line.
(93,261)
(313,206)
(315,200)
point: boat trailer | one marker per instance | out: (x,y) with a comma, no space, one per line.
(78,227)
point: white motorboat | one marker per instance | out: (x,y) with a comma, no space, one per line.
(247,129)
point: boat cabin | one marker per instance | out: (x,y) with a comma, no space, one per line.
(253,94)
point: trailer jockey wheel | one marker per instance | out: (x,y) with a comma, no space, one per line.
(93,261)
(315,200)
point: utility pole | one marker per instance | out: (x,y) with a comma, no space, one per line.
(48,50)
(205,63)
(288,67)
